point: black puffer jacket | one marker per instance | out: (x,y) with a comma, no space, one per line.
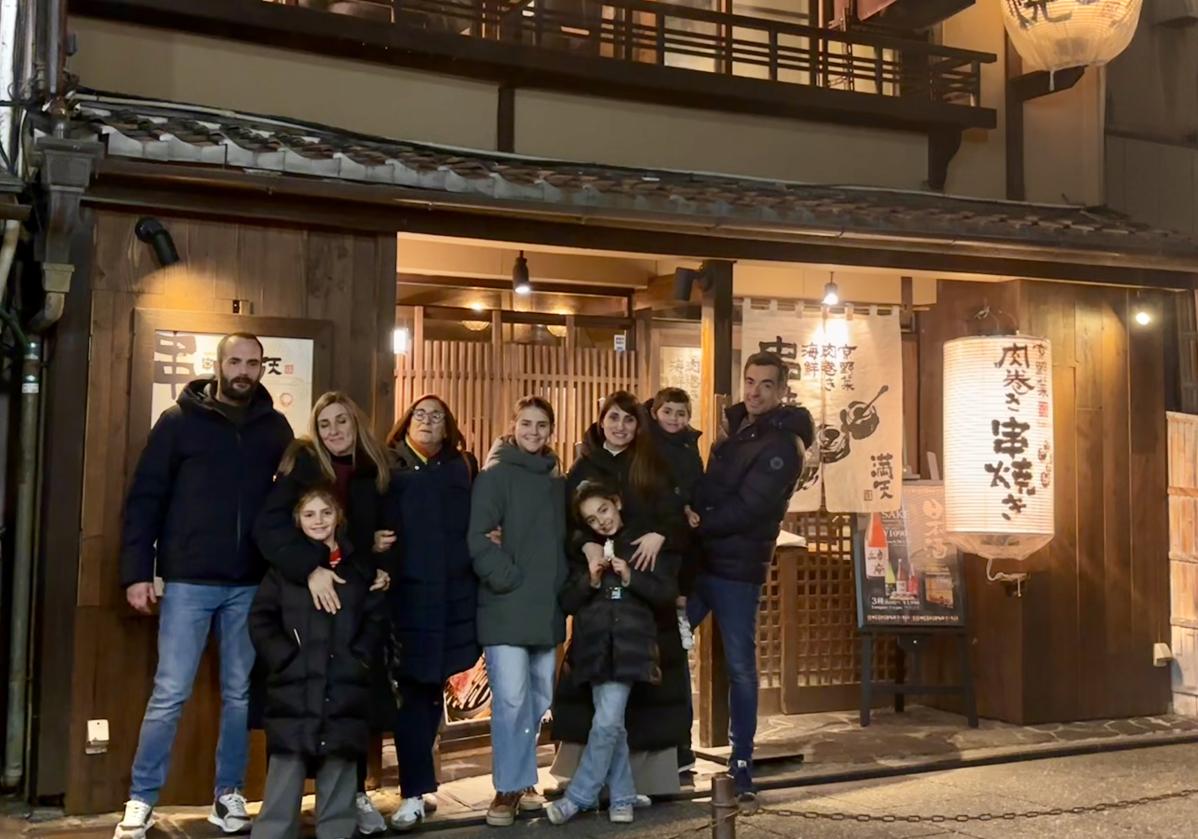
(657,716)
(680,451)
(659,512)
(318,683)
(433,600)
(199,484)
(285,547)
(615,640)
(741,501)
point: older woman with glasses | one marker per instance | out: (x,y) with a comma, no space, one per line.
(434,598)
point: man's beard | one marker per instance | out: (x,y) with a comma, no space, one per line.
(228,390)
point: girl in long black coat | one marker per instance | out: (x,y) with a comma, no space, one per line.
(613,648)
(433,601)
(318,686)
(619,450)
(343,455)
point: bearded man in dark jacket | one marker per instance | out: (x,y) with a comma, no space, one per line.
(738,509)
(202,478)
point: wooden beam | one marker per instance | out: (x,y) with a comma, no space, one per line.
(492,284)
(505,119)
(716,377)
(307,203)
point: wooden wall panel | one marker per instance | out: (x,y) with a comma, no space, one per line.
(1098,597)
(347,279)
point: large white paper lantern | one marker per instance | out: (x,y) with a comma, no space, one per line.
(1055,34)
(998,446)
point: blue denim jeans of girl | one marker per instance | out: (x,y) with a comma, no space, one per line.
(605,760)
(521,681)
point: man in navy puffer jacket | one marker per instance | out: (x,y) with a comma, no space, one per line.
(739,506)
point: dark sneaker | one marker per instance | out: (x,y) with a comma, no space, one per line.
(742,776)
(228,813)
(502,812)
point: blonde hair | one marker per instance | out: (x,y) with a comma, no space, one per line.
(365,443)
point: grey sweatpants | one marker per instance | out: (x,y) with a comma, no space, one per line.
(336,785)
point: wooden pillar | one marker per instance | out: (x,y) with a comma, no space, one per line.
(716,343)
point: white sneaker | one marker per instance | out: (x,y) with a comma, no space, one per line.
(138,818)
(409,814)
(370,820)
(684,630)
(620,815)
(228,813)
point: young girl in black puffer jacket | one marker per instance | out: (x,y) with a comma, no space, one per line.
(613,647)
(318,687)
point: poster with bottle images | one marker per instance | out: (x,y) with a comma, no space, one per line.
(908,573)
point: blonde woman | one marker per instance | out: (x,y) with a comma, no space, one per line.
(343,455)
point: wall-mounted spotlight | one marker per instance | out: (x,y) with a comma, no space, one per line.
(684,282)
(150,230)
(520,281)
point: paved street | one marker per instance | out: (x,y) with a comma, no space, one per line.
(1012,787)
(1043,784)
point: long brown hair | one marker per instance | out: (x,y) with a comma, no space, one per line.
(647,471)
(365,443)
(454,440)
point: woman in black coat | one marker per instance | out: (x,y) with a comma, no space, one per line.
(343,455)
(434,601)
(618,450)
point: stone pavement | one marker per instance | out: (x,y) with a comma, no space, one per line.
(834,747)
(1014,787)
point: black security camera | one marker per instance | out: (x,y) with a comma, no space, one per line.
(159,238)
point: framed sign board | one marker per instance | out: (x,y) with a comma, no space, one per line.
(172,348)
(908,574)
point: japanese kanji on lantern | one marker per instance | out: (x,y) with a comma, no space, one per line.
(998,444)
(1056,34)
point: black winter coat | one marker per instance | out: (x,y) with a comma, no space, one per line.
(680,451)
(197,489)
(433,600)
(741,501)
(657,716)
(615,640)
(660,514)
(318,693)
(285,547)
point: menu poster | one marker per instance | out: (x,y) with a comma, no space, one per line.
(908,573)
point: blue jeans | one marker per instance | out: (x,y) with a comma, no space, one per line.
(605,759)
(188,612)
(521,681)
(735,605)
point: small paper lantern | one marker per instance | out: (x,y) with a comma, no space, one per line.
(998,445)
(1055,34)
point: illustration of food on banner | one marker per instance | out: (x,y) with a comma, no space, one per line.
(846,368)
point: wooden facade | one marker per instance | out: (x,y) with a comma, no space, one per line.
(1078,644)
(343,279)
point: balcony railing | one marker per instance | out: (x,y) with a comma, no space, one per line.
(667,35)
(632,49)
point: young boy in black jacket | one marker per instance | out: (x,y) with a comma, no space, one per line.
(318,687)
(614,646)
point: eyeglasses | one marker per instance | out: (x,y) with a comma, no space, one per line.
(431,417)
